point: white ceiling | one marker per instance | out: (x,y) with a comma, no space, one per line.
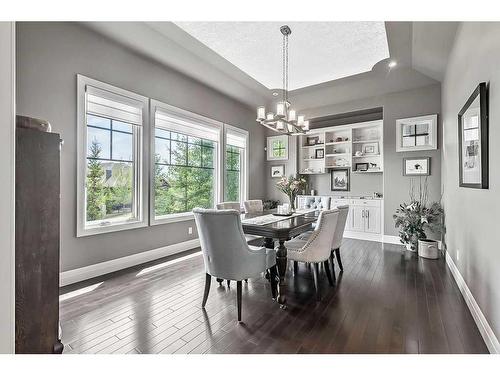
(319,51)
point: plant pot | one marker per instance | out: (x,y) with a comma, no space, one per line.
(411,247)
(428,249)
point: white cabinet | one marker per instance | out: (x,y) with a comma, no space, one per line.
(357,219)
(365,216)
(372,220)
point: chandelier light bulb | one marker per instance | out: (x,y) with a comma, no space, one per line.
(300,120)
(280,109)
(290,128)
(261,113)
(270,116)
(292,115)
(305,126)
(279,125)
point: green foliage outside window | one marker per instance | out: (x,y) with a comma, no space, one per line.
(233,173)
(278,148)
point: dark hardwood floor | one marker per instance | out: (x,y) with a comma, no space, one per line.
(386,301)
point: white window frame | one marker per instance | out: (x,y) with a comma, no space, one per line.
(244,168)
(140,152)
(184,216)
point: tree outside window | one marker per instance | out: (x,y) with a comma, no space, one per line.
(233,173)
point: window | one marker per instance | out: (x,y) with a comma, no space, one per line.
(185,157)
(110,161)
(236,166)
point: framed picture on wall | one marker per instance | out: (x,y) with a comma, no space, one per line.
(277,171)
(340,179)
(420,166)
(277,147)
(416,133)
(473,140)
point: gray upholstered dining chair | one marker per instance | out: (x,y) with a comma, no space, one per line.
(338,235)
(226,253)
(229,206)
(317,247)
(253,206)
(314,202)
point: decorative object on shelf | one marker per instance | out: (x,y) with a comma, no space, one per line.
(340,162)
(277,147)
(473,140)
(361,167)
(420,166)
(311,141)
(416,133)
(277,170)
(413,219)
(370,148)
(358,153)
(373,167)
(340,179)
(291,186)
(286,120)
(319,153)
(376,194)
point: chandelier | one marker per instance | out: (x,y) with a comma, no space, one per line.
(285,120)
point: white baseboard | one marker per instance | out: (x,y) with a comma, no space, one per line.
(392,239)
(94,270)
(482,324)
(363,236)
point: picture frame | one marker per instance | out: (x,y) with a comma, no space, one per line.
(277,147)
(473,152)
(361,167)
(340,179)
(370,148)
(319,153)
(311,141)
(277,171)
(416,133)
(417,166)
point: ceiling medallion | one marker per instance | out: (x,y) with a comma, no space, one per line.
(285,120)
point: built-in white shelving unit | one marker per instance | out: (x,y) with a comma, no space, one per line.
(342,146)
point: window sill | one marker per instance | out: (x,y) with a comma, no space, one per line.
(173,218)
(110,228)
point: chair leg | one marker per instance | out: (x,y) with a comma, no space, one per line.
(272,279)
(315,270)
(327,271)
(339,261)
(332,264)
(229,283)
(238,298)
(208,281)
(246,280)
(295,267)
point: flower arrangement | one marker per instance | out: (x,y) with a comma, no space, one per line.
(415,218)
(291,186)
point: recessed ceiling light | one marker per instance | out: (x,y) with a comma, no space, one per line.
(275,93)
(392,64)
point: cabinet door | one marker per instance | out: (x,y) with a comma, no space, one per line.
(372,219)
(358,218)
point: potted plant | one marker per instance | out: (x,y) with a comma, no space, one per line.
(291,186)
(417,218)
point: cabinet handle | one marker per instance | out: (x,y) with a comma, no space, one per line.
(368,217)
(363,213)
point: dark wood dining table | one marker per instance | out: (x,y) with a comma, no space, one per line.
(280,231)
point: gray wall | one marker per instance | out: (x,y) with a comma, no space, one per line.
(7,160)
(416,102)
(472,219)
(49,55)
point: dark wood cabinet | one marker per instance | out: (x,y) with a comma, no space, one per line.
(37,241)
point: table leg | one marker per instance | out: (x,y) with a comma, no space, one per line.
(281,262)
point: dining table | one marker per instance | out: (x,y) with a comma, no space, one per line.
(278,229)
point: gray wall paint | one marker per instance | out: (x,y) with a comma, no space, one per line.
(416,102)
(49,55)
(472,214)
(7,160)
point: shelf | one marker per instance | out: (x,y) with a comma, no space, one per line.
(313,146)
(362,172)
(337,143)
(339,154)
(313,159)
(368,141)
(337,166)
(366,156)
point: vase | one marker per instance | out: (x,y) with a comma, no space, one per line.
(292,203)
